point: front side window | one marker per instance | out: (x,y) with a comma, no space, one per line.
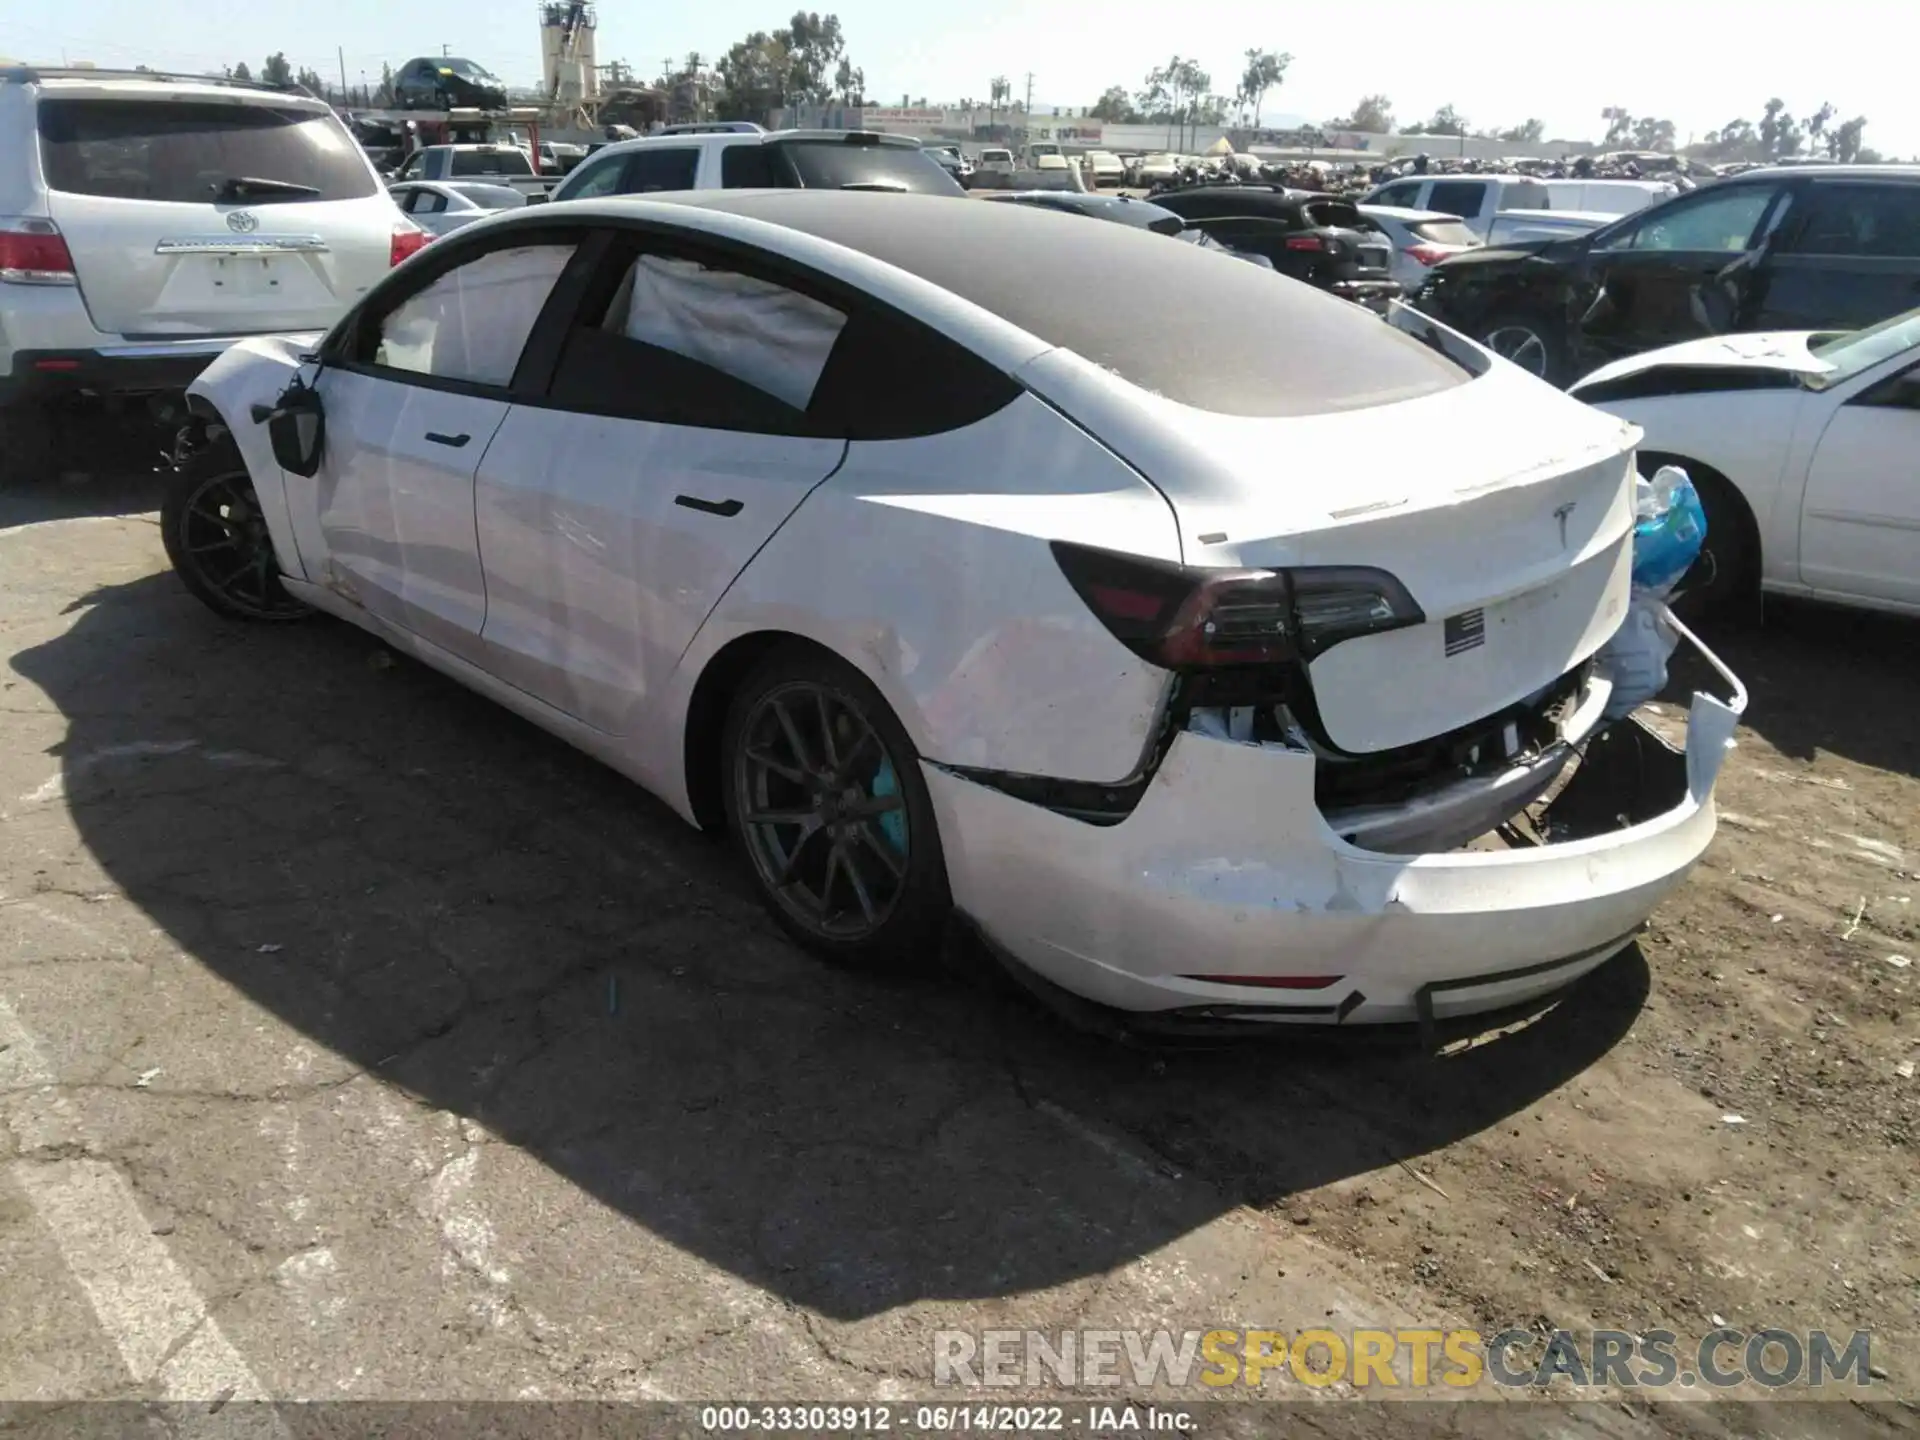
(601,177)
(1718,220)
(471,323)
(746,167)
(188,151)
(663,169)
(837,165)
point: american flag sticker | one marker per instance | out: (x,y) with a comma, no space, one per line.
(1465,631)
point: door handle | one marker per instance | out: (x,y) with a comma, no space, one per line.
(456,441)
(711,507)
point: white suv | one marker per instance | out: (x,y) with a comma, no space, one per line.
(755,160)
(147,221)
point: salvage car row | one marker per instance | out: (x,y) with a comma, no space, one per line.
(1177,732)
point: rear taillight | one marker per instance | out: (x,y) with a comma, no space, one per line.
(1189,617)
(1428,254)
(1305,242)
(33,252)
(407,240)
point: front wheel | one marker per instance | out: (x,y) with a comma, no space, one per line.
(218,540)
(826,805)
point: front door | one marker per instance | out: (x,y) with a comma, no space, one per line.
(1848,258)
(1657,278)
(387,522)
(674,440)
(1860,517)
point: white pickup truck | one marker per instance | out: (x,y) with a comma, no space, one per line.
(494,164)
(1498,209)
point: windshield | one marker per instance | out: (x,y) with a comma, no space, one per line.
(836,165)
(1857,351)
(467,70)
(188,151)
(494,197)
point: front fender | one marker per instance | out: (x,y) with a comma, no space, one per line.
(254,372)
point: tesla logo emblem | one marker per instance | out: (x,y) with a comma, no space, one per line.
(1561,514)
(243,222)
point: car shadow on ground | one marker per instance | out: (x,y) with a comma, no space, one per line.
(424,884)
(1825,678)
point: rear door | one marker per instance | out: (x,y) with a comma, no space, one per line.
(1663,276)
(412,401)
(676,437)
(214,216)
(1849,257)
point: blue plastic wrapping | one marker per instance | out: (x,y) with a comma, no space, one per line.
(1670,532)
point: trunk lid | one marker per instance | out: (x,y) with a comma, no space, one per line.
(1504,507)
(202,215)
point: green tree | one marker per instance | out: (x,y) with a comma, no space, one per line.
(1264,71)
(1619,126)
(849,83)
(1529,132)
(1652,134)
(1446,121)
(1372,116)
(1115,106)
(384,95)
(753,74)
(241,72)
(311,81)
(277,71)
(1845,146)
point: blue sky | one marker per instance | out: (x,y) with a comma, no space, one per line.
(1699,63)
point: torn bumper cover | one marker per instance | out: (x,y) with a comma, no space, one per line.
(1226,895)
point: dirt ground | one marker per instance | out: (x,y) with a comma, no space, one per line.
(305,894)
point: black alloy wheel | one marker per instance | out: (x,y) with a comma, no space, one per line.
(219,543)
(827,805)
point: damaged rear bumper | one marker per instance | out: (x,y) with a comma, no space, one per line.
(1226,895)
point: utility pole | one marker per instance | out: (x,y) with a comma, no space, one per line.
(1029,105)
(341,53)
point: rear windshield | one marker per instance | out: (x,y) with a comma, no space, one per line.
(490,197)
(186,151)
(836,165)
(1443,232)
(1199,327)
(491,162)
(1335,215)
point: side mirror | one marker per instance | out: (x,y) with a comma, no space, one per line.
(539,197)
(296,427)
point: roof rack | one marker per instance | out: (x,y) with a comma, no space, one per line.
(23,74)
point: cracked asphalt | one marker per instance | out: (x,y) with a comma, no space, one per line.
(359,1041)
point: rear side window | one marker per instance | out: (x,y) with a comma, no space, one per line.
(600,177)
(1456,197)
(1868,221)
(1442,232)
(668,168)
(185,151)
(491,162)
(1401,195)
(1520,195)
(1335,215)
(746,167)
(836,165)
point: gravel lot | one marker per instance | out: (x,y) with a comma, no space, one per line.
(357,1040)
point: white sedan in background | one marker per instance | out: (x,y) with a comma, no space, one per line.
(946,588)
(1421,239)
(1805,448)
(442,206)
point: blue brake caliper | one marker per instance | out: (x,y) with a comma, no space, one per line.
(893,822)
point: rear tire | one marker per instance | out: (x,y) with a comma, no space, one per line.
(218,540)
(829,813)
(1532,342)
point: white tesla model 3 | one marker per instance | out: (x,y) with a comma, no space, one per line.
(866,527)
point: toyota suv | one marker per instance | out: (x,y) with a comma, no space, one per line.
(146,221)
(744,160)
